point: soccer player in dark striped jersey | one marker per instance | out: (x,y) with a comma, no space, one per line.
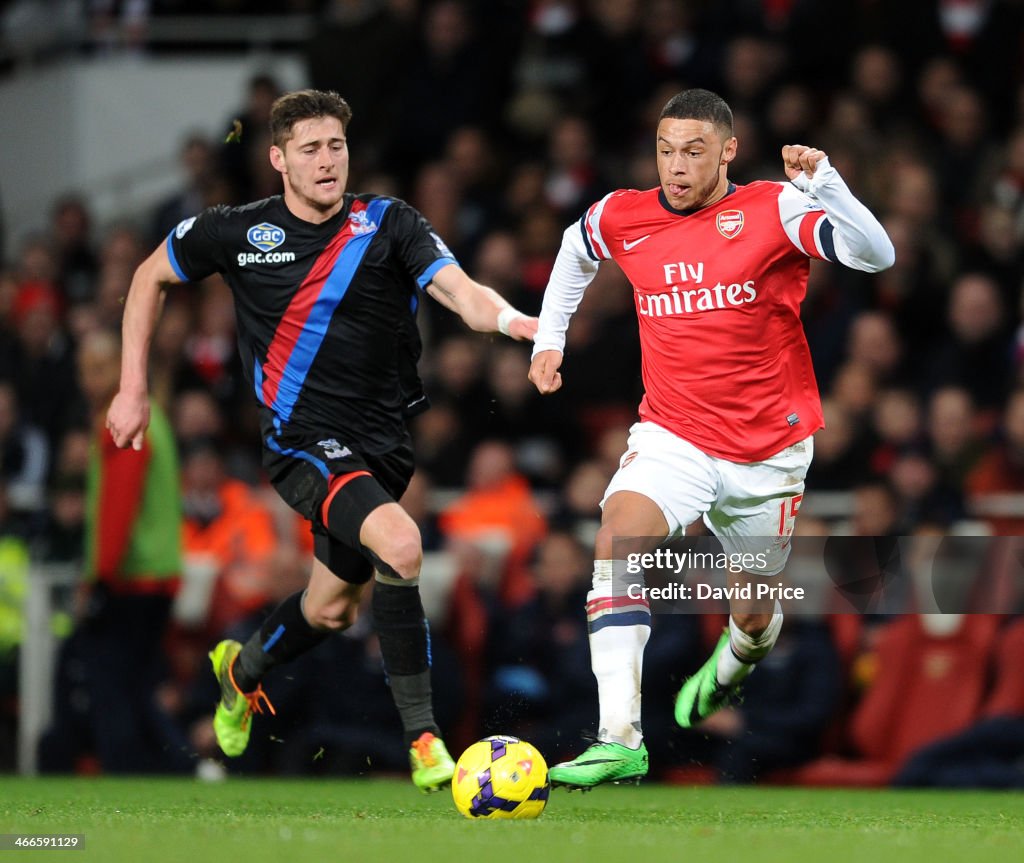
(326,285)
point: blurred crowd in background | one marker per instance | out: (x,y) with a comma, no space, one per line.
(501,122)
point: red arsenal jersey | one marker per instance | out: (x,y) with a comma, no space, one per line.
(718,290)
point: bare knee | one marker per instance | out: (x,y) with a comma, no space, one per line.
(335,615)
(402,554)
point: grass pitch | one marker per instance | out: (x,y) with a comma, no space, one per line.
(249,821)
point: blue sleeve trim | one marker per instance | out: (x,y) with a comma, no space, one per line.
(828,245)
(428,274)
(179,272)
(586,240)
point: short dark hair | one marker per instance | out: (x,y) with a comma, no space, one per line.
(290,108)
(702,105)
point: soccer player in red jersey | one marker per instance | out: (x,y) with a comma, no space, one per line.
(730,406)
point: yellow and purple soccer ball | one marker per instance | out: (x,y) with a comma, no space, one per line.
(501,777)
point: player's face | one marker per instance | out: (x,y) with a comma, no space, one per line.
(692,161)
(314,165)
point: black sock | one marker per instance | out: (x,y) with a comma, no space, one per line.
(405,647)
(283,636)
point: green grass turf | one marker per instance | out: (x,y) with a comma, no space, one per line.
(328,820)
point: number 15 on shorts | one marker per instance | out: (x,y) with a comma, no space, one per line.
(788,508)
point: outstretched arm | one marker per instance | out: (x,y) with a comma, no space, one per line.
(573,271)
(859,240)
(483,309)
(128,416)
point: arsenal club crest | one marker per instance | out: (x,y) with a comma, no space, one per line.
(730,223)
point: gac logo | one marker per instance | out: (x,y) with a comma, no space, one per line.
(265,236)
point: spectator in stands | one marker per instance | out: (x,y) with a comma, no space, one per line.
(122,246)
(877,77)
(995,487)
(550,68)
(363,32)
(543,434)
(854,389)
(965,154)
(472,158)
(1007,189)
(839,453)
(37,261)
(24,456)
(674,48)
(210,347)
(875,510)
(922,500)
(499,262)
(997,251)
(197,160)
(439,197)
(442,441)
(498,514)
(954,444)
(875,344)
(14,573)
(617,69)
(446,59)
(574,177)
(43,366)
(896,427)
(172,373)
(977,353)
(241,161)
(749,72)
(912,292)
(61,539)
(791,117)
(110,667)
(911,192)
(197,417)
(578,510)
(228,538)
(77,262)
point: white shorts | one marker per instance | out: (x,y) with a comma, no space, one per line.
(750,507)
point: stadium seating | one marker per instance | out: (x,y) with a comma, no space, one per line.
(928,687)
(1007,696)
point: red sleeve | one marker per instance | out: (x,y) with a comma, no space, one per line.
(122,476)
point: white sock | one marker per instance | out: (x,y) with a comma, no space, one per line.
(731,669)
(619,629)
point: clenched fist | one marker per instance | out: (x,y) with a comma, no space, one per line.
(797,158)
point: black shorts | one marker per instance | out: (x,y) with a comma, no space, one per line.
(305,469)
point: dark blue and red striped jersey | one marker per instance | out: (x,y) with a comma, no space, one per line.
(326,314)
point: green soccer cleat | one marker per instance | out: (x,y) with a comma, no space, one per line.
(232,721)
(702,694)
(601,762)
(432,767)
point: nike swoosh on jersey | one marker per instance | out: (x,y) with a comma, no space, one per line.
(628,244)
